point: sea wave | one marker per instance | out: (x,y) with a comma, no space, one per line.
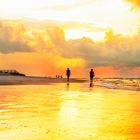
(120,83)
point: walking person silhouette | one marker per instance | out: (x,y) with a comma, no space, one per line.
(68,73)
(91,73)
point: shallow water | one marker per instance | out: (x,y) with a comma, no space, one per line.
(121,83)
(68,112)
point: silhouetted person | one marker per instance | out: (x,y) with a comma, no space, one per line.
(68,73)
(91,73)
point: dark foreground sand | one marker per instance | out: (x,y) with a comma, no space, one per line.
(30,80)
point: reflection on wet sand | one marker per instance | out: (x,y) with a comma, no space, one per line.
(67,86)
(68,112)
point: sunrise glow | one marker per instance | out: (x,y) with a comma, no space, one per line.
(80,34)
(76,34)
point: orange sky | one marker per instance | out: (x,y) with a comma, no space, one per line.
(46,37)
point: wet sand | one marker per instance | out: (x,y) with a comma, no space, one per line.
(31,80)
(68,112)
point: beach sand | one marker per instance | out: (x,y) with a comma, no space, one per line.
(32,80)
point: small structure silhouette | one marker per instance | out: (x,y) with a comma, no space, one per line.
(11,72)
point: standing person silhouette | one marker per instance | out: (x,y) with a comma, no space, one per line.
(68,73)
(91,73)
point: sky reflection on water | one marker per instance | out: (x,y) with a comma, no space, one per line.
(74,112)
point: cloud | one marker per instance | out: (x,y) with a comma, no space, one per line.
(136,3)
(9,47)
(116,51)
(61,7)
(11,39)
(71,5)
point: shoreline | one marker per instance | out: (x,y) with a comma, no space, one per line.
(32,80)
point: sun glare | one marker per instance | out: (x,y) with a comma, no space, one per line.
(77,34)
